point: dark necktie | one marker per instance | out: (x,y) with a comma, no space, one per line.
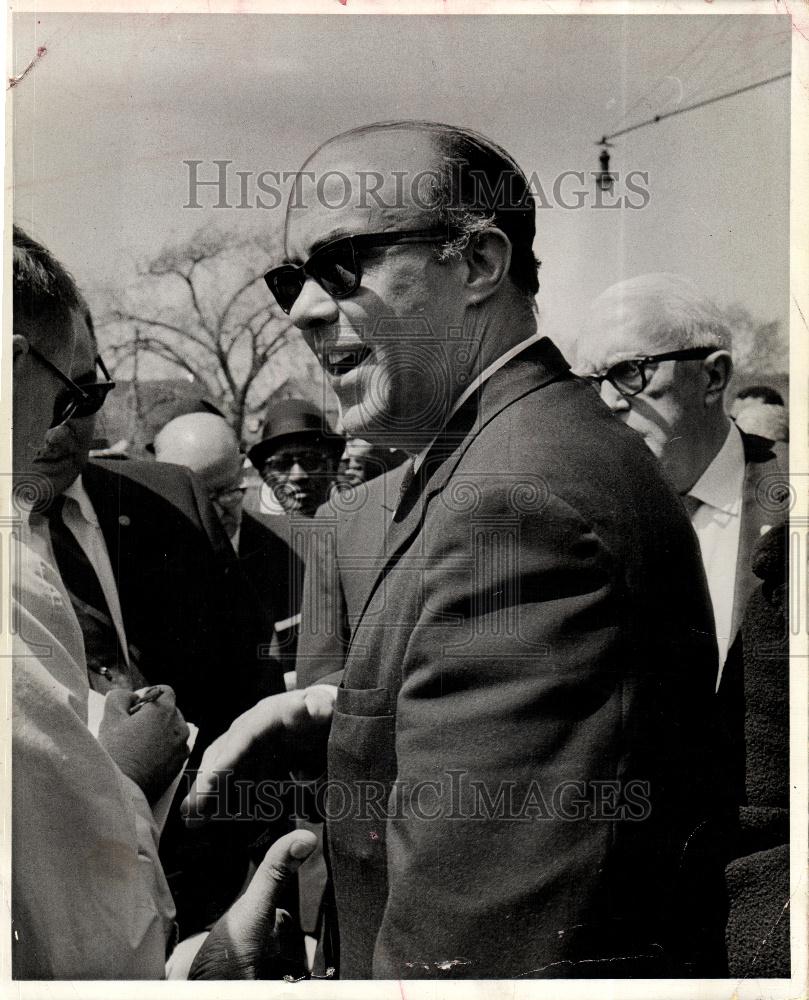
(407,478)
(691,504)
(106,664)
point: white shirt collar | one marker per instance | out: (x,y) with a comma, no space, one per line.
(77,492)
(720,485)
(477,382)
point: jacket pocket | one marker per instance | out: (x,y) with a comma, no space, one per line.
(369,702)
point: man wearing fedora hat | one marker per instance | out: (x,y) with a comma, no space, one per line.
(297,458)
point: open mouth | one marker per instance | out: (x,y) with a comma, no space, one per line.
(340,362)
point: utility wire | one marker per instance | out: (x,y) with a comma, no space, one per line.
(647,98)
(692,107)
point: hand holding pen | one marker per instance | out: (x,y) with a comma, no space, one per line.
(148,695)
(148,746)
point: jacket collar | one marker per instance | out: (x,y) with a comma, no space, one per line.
(539,365)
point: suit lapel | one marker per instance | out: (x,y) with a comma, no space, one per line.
(762,506)
(103,487)
(534,368)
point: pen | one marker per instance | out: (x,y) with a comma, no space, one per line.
(152,694)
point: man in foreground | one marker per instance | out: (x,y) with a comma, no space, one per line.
(522,732)
(89,896)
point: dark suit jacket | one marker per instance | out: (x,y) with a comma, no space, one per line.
(347,538)
(347,535)
(536,634)
(184,600)
(270,556)
(765,502)
(758,873)
(199,626)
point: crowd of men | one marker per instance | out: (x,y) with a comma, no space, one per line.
(492,684)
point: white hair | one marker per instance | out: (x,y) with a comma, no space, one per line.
(681,312)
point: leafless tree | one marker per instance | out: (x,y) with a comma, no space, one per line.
(201,308)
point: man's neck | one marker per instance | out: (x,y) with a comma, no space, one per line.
(490,332)
(707,447)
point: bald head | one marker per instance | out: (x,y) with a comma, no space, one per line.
(397,174)
(198,441)
(207,445)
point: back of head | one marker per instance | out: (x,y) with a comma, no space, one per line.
(44,293)
(760,394)
(767,420)
(198,441)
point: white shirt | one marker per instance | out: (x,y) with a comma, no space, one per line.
(717,523)
(89,898)
(477,382)
(80,517)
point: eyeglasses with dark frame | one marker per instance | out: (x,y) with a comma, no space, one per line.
(630,377)
(75,401)
(311,461)
(336,265)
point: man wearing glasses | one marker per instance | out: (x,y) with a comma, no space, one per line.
(297,457)
(73,792)
(660,354)
(524,639)
(160,597)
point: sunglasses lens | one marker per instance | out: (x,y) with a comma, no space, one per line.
(335,269)
(286,284)
(64,407)
(95,396)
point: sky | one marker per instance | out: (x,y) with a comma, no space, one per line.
(105,119)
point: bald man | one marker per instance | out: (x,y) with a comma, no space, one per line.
(523,632)
(207,445)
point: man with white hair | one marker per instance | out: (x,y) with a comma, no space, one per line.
(660,353)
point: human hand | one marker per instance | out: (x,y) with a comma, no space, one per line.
(248,941)
(150,744)
(289,720)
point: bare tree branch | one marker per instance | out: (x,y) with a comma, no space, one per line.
(199,306)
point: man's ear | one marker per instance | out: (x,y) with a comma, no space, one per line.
(488,260)
(20,345)
(719,368)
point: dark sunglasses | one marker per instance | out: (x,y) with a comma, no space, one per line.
(630,377)
(309,461)
(336,266)
(76,400)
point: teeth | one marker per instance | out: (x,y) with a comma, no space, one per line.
(340,362)
(337,357)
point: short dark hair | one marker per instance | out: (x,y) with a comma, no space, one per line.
(479,186)
(763,392)
(44,292)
